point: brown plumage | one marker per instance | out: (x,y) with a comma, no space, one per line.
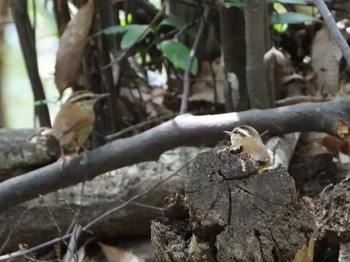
(247,140)
(75,120)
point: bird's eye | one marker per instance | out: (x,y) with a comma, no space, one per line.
(87,98)
(235,131)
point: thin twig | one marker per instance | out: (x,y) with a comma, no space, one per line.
(28,258)
(75,214)
(73,243)
(59,231)
(8,238)
(333,29)
(213,75)
(97,219)
(102,216)
(176,32)
(56,225)
(72,211)
(150,25)
(186,88)
(33,249)
(139,126)
(147,206)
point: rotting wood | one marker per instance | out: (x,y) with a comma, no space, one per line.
(234,214)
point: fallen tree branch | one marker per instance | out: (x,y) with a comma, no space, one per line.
(183,130)
(96,219)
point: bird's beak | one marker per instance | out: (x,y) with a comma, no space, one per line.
(101,96)
(228,132)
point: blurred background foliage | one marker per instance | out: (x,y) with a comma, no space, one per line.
(17,106)
(172,35)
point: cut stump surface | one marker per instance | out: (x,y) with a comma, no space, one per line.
(235,214)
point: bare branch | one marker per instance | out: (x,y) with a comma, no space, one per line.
(333,29)
(94,221)
(73,243)
(183,130)
(186,86)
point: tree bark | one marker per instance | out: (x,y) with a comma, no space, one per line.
(231,213)
(23,150)
(254,15)
(99,195)
(329,117)
(234,53)
(332,213)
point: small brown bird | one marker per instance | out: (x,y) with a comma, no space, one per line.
(75,120)
(246,139)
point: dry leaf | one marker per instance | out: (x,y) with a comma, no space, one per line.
(325,62)
(312,149)
(335,145)
(153,100)
(70,50)
(343,130)
(114,254)
(344,89)
(233,82)
(203,89)
(275,54)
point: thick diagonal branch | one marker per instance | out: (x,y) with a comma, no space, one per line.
(183,130)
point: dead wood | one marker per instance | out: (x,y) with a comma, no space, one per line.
(231,213)
(312,173)
(333,216)
(329,117)
(300,99)
(99,195)
(22,151)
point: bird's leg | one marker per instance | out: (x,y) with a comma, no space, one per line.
(85,151)
(82,149)
(63,158)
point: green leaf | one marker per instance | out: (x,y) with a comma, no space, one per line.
(132,33)
(177,53)
(178,24)
(292,2)
(172,21)
(290,18)
(112,30)
(235,3)
(281,28)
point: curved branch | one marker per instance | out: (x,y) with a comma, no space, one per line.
(183,130)
(333,29)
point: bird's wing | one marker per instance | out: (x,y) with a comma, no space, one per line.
(74,121)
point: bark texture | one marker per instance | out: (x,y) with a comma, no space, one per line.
(184,130)
(231,213)
(99,195)
(234,53)
(333,216)
(255,24)
(23,150)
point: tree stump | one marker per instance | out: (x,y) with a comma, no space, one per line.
(232,213)
(333,222)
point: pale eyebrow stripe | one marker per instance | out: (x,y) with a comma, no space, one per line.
(82,97)
(244,132)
